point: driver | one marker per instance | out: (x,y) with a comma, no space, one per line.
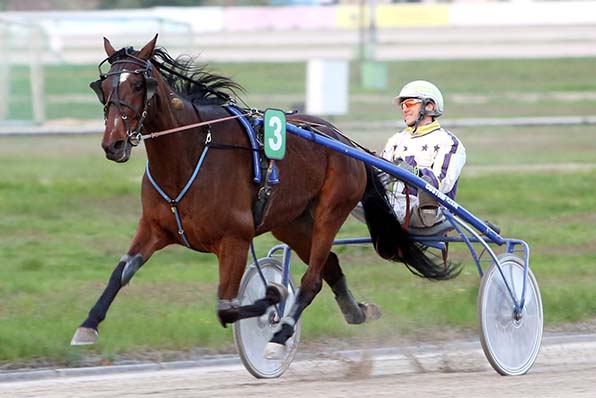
(425,149)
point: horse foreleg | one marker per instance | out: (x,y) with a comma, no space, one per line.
(299,236)
(143,246)
(232,254)
(310,286)
(229,311)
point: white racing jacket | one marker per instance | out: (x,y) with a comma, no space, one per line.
(437,153)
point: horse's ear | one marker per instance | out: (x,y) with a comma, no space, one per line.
(108,47)
(147,50)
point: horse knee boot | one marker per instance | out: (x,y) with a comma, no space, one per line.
(228,311)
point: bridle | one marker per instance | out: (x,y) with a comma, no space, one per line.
(126,56)
(145,69)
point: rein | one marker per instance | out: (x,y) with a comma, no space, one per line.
(191,126)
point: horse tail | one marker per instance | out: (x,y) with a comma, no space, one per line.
(391,241)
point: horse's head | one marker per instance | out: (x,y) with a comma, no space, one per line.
(125,90)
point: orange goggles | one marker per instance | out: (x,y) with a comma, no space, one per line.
(409,103)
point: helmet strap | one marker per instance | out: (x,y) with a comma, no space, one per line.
(421,114)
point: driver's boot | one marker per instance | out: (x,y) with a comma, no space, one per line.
(428,207)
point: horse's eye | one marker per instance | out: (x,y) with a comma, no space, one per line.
(138,86)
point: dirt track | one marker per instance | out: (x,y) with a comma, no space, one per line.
(542,382)
(566,367)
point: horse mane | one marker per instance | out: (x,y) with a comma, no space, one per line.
(194,81)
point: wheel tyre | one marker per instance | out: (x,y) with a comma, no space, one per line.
(511,346)
(251,335)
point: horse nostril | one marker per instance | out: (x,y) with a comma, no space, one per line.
(118,146)
(114,149)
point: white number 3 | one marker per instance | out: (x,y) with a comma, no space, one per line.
(275,144)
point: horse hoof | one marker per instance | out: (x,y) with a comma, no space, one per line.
(371,311)
(283,291)
(275,351)
(84,336)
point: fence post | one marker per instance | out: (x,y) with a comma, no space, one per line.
(36,70)
(4,73)
(327,87)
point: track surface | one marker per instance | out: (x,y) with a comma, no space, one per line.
(566,367)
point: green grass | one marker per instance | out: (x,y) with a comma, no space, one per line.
(68,215)
(472,88)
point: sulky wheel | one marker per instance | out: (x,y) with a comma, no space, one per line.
(251,335)
(510,341)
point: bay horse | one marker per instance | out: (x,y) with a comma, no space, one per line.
(148,91)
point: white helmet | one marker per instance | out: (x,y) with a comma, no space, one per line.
(425,91)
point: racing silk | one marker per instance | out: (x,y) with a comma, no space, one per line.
(436,152)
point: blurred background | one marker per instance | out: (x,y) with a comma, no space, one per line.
(520,92)
(363,37)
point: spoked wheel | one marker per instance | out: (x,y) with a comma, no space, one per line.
(251,335)
(510,341)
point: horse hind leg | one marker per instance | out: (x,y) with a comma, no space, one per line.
(354,312)
(322,264)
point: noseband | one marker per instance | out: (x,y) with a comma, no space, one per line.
(145,69)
